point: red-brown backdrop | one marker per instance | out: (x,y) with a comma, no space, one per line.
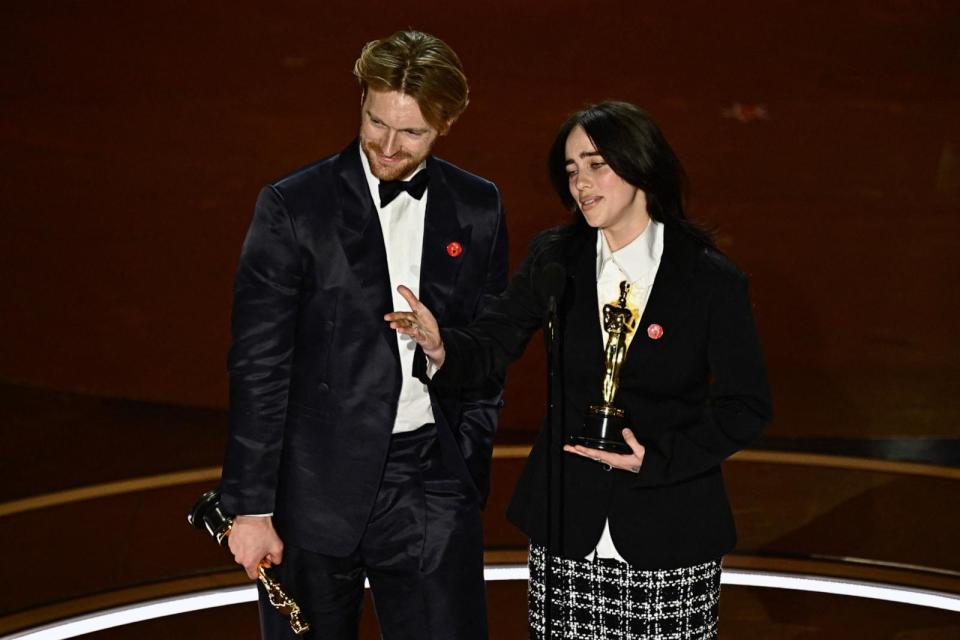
(134,138)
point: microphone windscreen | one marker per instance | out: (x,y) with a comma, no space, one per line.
(553,279)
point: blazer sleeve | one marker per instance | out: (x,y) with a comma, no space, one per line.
(480,406)
(738,407)
(500,333)
(265,303)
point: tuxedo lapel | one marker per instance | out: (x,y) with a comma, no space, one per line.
(445,242)
(362,240)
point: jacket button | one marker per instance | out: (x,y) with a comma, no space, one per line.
(323,387)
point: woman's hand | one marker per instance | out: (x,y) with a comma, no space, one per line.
(420,325)
(628,462)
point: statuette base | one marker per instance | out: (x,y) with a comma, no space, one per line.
(603,429)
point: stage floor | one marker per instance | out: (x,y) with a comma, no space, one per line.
(96,491)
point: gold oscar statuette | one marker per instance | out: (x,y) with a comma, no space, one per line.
(207,514)
(604,422)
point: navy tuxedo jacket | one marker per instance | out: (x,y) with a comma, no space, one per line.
(315,370)
(693,397)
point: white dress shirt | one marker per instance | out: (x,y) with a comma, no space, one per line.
(636,263)
(402,224)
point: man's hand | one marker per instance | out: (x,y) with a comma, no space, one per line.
(628,462)
(254,542)
(420,325)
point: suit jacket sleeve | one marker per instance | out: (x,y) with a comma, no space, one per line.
(265,304)
(739,404)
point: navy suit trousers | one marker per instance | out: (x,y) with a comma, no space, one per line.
(422,551)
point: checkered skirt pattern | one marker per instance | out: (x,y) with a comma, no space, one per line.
(605,599)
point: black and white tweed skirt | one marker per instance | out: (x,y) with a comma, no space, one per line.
(605,599)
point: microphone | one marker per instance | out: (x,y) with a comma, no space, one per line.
(553,279)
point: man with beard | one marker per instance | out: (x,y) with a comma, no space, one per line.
(340,462)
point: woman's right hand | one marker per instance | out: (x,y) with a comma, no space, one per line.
(420,325)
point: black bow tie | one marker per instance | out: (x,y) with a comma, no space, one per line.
(415,186)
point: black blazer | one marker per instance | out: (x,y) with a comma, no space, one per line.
(693,397)
(314,369)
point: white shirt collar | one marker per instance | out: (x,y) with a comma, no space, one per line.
(639,260)
(373,182)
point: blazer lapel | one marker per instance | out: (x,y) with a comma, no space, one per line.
(676,266)
(441,259)
(362,240)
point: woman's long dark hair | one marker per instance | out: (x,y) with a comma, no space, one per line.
(634,147)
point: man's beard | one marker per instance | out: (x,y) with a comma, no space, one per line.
(392,172)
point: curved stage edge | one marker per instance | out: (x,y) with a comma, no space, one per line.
(808,544)
(128,607)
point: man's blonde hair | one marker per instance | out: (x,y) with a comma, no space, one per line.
(421,66)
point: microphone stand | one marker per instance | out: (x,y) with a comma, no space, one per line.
(554,429)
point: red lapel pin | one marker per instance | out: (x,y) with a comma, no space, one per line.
(655,331)
(454,249)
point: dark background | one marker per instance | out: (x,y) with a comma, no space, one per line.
(134,138)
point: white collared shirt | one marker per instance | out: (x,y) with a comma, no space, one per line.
(402,223)
(636,263)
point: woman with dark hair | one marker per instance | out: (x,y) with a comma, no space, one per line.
(622,544)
